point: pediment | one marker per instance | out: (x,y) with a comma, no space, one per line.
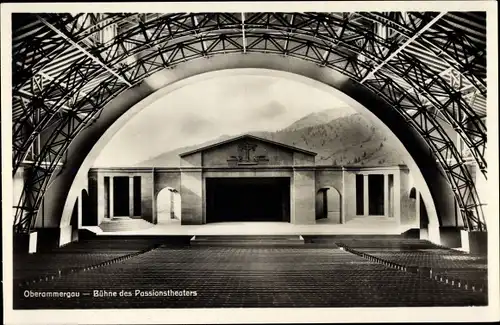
(247,142)
(247,150)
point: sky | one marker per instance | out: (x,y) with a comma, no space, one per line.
(208,109)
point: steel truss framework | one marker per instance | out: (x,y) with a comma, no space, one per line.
(66,68)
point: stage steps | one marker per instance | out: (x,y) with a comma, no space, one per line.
(124,224)
(248,240)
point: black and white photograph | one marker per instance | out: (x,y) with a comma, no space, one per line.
(240,159)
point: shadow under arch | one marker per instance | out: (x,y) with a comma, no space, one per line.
(420,207)
(85,148)
(413,193)
(88,217)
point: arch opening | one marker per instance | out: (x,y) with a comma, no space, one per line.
(336,83)
(169,206)
(413,193)
(329,205)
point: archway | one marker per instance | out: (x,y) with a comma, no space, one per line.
(357,60)
(405,139)
(329,205)
(425,227)
(76,216)
(419,208)
(413,193)
(168,205)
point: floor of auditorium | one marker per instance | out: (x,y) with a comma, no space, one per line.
(326,271)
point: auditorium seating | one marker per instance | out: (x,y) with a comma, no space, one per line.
(306,276)
(452,264)
(33,267)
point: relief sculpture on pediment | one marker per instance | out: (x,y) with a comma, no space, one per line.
(246,155)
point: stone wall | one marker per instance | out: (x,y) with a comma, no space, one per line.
(302,159)
(192,197)
(164,178)
(349,202)
(408,205)
(303,194)
(306,182)
(147,187)
(329,177)
(193,160)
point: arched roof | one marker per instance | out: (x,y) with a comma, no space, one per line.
(430,67)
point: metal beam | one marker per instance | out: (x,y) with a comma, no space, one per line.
(81,49)
(50,78)
(442,73)
(46,76)
(46,100)
(42,163)
(243,30)
(434,54)
(196,34)
(402,47)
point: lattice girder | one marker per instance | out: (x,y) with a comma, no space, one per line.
(332,42)
(113,57)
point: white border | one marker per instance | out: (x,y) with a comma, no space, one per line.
(308,315)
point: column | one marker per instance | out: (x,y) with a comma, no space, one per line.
(304,180)
(192,197)
(101,198)
(386,195)
(111,198)
(417,206)
(343,198)
(131,196)
(365,195)
(80,210)
(146,196)
(397,196)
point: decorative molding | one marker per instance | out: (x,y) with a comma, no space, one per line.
(245,158)
(242,167)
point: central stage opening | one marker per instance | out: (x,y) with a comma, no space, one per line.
(248,199)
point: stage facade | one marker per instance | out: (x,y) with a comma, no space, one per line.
(251,179)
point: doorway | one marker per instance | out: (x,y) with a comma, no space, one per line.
(248,199)
(328,205)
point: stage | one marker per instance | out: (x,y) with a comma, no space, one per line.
(365,226)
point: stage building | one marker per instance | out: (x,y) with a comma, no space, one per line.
(246,179)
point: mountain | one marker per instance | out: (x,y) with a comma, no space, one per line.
(318,118)
(339,138)
(350,140)
(171,158)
